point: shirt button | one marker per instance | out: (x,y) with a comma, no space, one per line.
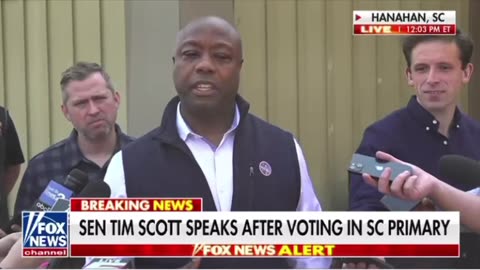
(434,122)
(427,128)
(458,126)
(445,142)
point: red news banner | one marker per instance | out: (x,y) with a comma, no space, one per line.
(262,250)
(404,22)
(176,227)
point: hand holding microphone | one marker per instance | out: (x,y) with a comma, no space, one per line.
(92,190)
(75,181)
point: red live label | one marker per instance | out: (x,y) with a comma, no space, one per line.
(404,29)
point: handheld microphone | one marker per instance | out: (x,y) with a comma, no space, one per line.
(95,190)
(461,169)
(92,190)
(75,181)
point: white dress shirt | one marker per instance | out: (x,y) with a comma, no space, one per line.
(217,166)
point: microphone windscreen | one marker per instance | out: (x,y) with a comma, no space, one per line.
(95,189)
(76,180)
(460,169)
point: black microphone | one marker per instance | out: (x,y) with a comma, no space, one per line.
(461,169)
(92,190)
(95,190)
(75,181)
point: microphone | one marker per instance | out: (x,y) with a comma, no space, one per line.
(95,190)
(92,190)
(75,181)
(461,169)
(118,263)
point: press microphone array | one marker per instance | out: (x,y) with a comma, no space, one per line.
(98,189)
(92,190)
(75,182)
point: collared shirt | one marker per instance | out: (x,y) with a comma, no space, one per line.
(411,134)
(217,165)
(55,163)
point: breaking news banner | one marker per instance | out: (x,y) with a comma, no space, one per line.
(176,227)
(404,22)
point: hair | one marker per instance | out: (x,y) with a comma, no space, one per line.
(79,72)
(463,41)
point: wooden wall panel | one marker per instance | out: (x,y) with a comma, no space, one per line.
(326,86)
(312,88)
(39,39)
(253,83)
(282,103)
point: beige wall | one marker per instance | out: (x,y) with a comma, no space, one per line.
(303,70)
(150,31)
(38,40)
(338,83)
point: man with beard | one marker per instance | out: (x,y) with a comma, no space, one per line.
(90,103)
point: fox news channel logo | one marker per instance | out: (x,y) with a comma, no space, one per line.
(45,234)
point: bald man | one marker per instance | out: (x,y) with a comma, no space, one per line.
(208,145)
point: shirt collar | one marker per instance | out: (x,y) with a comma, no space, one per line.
(77,155)
(184,130)
(426,119)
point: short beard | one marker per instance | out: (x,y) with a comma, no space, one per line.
(98,136)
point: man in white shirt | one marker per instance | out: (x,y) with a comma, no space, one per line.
(209,146)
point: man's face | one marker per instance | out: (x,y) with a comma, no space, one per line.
(437,75)
(91,107)
(208,61)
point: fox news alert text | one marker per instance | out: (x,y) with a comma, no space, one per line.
(127,228)
(404,22)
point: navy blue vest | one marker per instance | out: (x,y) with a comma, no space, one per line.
(160,164)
